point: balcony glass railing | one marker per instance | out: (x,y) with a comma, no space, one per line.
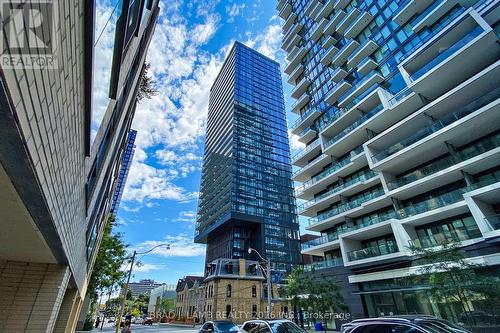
(308,164)
(363,95)
(439,239)
(303,117)
(353,126)
(439,124)
(365,176)
(307,149)
(432,203)
(400,96)
(320,241)
(331,118)
(358,84)
(426,12)
(482,183)
(460,156)
(333,168)
(372,221)
(494,221)
(443,55)
(345,207)
(374,251)
(329,263)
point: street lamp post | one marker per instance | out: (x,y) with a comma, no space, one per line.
(125,289)
(268,273)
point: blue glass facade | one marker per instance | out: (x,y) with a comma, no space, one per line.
(246,196)
(128,155)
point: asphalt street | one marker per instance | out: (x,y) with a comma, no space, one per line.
(150,329)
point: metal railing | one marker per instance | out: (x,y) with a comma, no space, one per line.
(373,251)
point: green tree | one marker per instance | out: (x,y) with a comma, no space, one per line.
(106,273)
(452,278)
(147,86)
(318,294)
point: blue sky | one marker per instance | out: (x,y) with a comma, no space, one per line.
(186,52)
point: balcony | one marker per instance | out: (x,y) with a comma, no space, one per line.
(324,239)
(332,26)
(300,103)
(302,157)
(309,8)
(339,74)
(346,116)
(444,122)
(451,57)
(322,201)
(439,239)
(332,146)
(292,38)
(315,11)
(313,167)
(366,49)
(307,135)
(348,19)
(367,65)
(305,120)
(288,23)
(329,41)
(329,263)
(371,252)
(363,85)
(431,204)
(285,11)
(316,223)
(295,58)
(410,9)
(341,4)
(301,88)
(305,189)
(318,31)
(461,155)
(337,91)
(435,11)
(281,4)
(327,58)
(295,74)
(358,25)
(325,11)
(345,52)
(494,221)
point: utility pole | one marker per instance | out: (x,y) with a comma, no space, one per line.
(125,289)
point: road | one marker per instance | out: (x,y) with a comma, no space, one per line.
(150,329)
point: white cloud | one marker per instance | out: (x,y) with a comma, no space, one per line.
(146,267)
(268,43)
(233,10)
(186,216)
(181,245)
(294,141)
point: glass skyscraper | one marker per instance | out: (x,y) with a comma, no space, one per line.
(246,196)
(398,105)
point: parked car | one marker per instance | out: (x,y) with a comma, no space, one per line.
(402,324)
(271,326)
(219,326)
(148,321)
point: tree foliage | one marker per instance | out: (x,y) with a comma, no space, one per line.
(452,278)
(106,273)
(316,293)
(147,86)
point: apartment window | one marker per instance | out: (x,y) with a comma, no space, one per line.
(228,311)
(254,291)
(254,311)
(228,290)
